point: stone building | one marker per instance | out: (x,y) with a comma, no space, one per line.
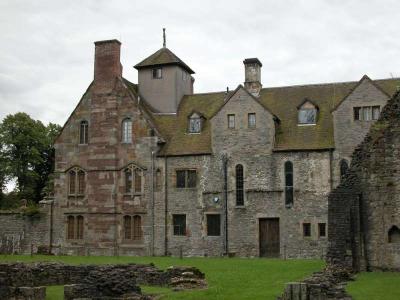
(364,210)
(156,169)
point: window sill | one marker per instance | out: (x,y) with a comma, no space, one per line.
(186,189)
(76,196)
(180,236)
(126,143)
(213,236)
(313,124)
(194,132)
(133,195)
(82,144)
(240,206)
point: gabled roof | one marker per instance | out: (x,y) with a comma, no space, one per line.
(163,57)
(231,94)
(282,102)
(365,77)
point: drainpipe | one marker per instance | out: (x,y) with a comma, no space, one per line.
(152,203)
(331,168)
(51,227)
(165,206)
(225,170)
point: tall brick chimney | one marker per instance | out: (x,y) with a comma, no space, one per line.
(107,65)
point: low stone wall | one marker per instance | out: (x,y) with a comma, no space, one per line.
(22,234)
(92,281)
(326,285)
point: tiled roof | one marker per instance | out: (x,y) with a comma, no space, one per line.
(281,101)
(162,57)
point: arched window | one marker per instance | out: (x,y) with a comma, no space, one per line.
(72,182)
(394,234)
(71,227)
(133,180)
(77,182)
(344,166)
(84,132)
(127,227)
(158,180)
(79,227)
(239,185)
(127,131)
(133,228)
(81,182)
(137,227)
(288,184)
(128,181)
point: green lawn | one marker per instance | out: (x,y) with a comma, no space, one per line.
(228,278)
(375,286)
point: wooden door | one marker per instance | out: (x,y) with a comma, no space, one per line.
(269,237)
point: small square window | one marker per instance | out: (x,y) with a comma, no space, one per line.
(231,121)
(179,224)
(157,73)
(186,178)
(322,229)
(306,229)
(252,120)
(213,225)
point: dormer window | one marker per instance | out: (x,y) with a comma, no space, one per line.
(307,114)
(195,123)
(157,73)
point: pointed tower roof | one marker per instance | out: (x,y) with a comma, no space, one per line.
(163,57)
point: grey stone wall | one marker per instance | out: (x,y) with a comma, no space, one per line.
(21,234)
(348,132)
(371,188)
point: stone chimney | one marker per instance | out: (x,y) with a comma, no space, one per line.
(252,75)
(107,65)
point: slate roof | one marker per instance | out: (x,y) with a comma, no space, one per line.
(280,101)
(164,56)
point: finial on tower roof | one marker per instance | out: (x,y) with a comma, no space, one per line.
(164,39)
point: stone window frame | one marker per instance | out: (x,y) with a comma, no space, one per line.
(229,118)
(239,185)
(186,185)
(157,73)
(366,113)
(135,226)
(307,106)
(195,117)
(77,187)
(177,232)
(133,182)
(158,180)
(83,132)
(249,124)
(127,131)
(207,215)
(393,230)
(75,227)
(307,230)
(289,189)
(324,226)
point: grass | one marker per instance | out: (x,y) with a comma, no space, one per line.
(375,286)
(228,278)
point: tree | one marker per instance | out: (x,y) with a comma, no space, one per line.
(27,151)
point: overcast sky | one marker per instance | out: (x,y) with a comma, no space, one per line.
(46,49)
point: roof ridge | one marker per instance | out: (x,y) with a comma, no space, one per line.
(327,83)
